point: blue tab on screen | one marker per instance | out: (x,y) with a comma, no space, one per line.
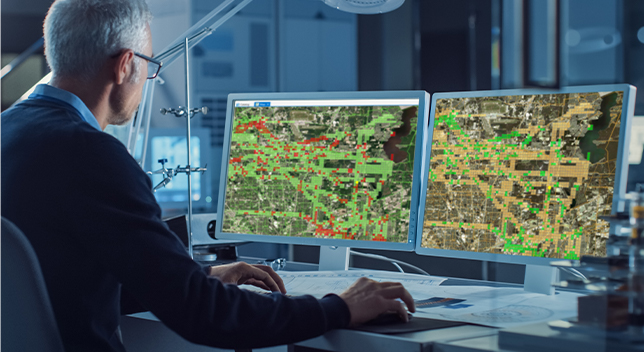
(263,104)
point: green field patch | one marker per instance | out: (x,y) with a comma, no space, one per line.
(297,115)
(244,138)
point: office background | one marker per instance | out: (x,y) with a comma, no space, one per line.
(304,45)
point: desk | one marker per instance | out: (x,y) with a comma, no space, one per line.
(487,343)
(541,337)
(456,339)
(537,338)
(351,340)
(143,332)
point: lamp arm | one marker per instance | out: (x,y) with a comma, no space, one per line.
(174,50)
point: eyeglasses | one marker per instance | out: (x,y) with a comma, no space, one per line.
(154,66)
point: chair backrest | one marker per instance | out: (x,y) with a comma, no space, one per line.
(28,322)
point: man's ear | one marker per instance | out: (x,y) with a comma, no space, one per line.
(123,66)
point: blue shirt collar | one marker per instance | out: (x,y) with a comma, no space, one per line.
(47,92)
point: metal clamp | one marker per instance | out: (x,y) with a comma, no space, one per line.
(181,111)
(167,174)
(186,169)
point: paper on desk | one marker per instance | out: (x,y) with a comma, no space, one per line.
(500,307)
(320,283)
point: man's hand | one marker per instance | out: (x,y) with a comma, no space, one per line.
(241,273)
(367,299)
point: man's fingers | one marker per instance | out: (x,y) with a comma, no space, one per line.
(278,280)
(388,284)
(367,298)
(240,273)
(398,291)
(261,275)
(257,283)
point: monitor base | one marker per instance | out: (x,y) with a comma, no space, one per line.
(334,258)
(539,279)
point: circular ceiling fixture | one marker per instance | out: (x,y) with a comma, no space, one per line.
(365,7)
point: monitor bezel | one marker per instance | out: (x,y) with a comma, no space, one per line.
(423,113)
(628,109)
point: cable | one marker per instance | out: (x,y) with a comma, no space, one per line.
(574,272)
(394,262)
(398,267)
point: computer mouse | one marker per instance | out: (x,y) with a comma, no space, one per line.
(388,318)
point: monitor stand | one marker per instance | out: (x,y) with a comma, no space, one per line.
(539,279)
(334,258)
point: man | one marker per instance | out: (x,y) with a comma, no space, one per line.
(88,210)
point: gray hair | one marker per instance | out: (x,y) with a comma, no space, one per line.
(81,35)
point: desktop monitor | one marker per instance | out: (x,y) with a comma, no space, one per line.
(522,176)
(170,144)
(329,169)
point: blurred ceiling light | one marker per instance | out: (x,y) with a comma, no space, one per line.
(365,7)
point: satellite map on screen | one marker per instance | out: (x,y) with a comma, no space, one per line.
(340,172)
(523,175)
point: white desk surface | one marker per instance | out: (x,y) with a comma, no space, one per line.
(487,343)
(464,338)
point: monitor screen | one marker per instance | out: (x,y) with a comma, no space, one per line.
(520,175)
(333,169)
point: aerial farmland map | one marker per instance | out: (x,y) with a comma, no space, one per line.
(341,172)
(523,175)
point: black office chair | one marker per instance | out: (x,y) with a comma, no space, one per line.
(28,322)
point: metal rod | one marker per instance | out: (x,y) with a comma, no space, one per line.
(23,57)
(169,55)
(187,49)
(148,116)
